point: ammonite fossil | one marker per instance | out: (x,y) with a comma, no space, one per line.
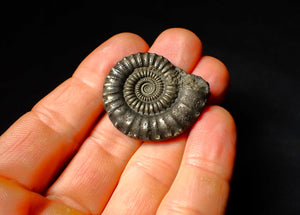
(148,98)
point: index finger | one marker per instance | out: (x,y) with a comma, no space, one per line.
(37,145)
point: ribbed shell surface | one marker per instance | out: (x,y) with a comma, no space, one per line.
(148,98)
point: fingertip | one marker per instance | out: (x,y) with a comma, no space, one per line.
(216,74)
(97,64)
(181,46)
(181,34)
(134,41)
(117,47)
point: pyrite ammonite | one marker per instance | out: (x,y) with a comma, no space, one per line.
(148,98)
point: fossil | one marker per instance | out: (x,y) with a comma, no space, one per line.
(148,98)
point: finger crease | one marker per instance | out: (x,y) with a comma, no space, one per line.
(96,141)
(176,207)
(114,145)
(150,166)
(83,82)
(207,166)
(54,120)
(69,201)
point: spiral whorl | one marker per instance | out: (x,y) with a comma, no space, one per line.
(147,92)
(145,97)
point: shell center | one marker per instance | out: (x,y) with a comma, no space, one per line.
(148,88)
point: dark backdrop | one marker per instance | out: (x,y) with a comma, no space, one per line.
(42,44)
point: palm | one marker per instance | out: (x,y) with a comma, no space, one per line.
(110,172)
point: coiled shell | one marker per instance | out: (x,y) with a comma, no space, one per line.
(148,98)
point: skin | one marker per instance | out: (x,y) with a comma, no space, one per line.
(65,156)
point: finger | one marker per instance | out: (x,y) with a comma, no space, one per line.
(209,68)
(216,74)
(151,170)
(103,156)
(17,200)
(182,47)
(92,175)
(202,183)
(35,147)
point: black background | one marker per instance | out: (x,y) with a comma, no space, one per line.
(42,44)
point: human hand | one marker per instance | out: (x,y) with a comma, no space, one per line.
(65,156)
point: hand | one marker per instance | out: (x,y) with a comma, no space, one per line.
(65,156)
